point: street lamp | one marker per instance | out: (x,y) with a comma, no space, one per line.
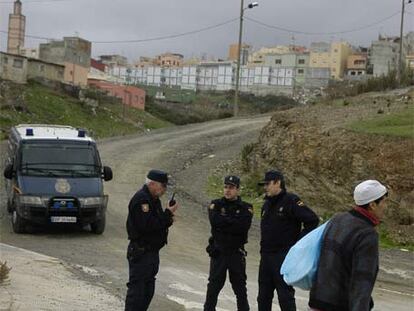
(236,93)
(399,71)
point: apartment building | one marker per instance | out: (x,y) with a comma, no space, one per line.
(244,53)
(357,64)
(169,60)
(113,60)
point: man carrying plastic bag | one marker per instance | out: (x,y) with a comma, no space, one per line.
(339,260)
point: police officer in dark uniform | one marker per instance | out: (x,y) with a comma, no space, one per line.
(147,227)
(283,215)
(230,220)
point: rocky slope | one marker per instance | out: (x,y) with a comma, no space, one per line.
(323,159)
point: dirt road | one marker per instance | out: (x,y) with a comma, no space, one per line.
(188,153)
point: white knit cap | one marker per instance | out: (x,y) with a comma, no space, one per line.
(368,191)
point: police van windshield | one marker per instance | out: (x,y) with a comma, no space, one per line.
(59,159)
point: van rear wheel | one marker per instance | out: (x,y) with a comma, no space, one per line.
(98,227)
(18,223)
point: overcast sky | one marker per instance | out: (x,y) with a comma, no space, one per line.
(109,20)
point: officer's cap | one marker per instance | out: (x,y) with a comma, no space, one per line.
(159,176)
(271,175)
(232,180)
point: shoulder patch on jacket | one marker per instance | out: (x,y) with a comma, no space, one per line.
(300,203)
(145,208)
(212,205)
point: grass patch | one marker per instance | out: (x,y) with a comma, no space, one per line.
(397,124)
(386,242)
(184,106)
(41,105)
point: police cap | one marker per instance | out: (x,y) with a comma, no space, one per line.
(272,175)
(159,176)
(232,180)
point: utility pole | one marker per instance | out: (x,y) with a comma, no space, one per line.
(236,91)
(400,60)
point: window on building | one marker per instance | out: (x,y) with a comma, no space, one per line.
(301,62)
(41,68)
(6,60)
(278,61)
(17,63)
(300,71)
(335,50)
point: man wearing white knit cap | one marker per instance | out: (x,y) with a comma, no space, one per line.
(348,263)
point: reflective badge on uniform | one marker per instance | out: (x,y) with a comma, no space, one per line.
(281,209)
(251,210)
(300,203)
(212,206)
(145,208)
(238,211)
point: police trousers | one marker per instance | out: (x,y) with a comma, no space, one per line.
(271,279)
(220,263)
(143,267)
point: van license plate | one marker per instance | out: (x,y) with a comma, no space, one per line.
(67,219)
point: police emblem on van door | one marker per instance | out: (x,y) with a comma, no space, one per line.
(62,186)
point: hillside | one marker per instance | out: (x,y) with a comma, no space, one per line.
(34,103)
(326,149)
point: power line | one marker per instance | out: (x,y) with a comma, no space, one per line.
(144,40)
(35,1)
(30,36)
(321,33)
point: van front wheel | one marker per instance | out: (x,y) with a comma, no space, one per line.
(98,227)
(18,223)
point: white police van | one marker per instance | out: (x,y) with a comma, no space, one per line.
(54,175)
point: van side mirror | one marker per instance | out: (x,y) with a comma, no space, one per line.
(8,171)
(107,173)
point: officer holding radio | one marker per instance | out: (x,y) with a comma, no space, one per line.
(147,227)
(230,220)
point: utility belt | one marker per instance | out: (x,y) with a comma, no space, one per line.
(215,250)
(138,248)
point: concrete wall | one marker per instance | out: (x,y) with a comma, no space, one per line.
(317,77)
(280,60)
(13,68)
(40,69)
(384,57)
(75,74)
(74,53)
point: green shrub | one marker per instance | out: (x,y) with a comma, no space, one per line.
(4,272)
